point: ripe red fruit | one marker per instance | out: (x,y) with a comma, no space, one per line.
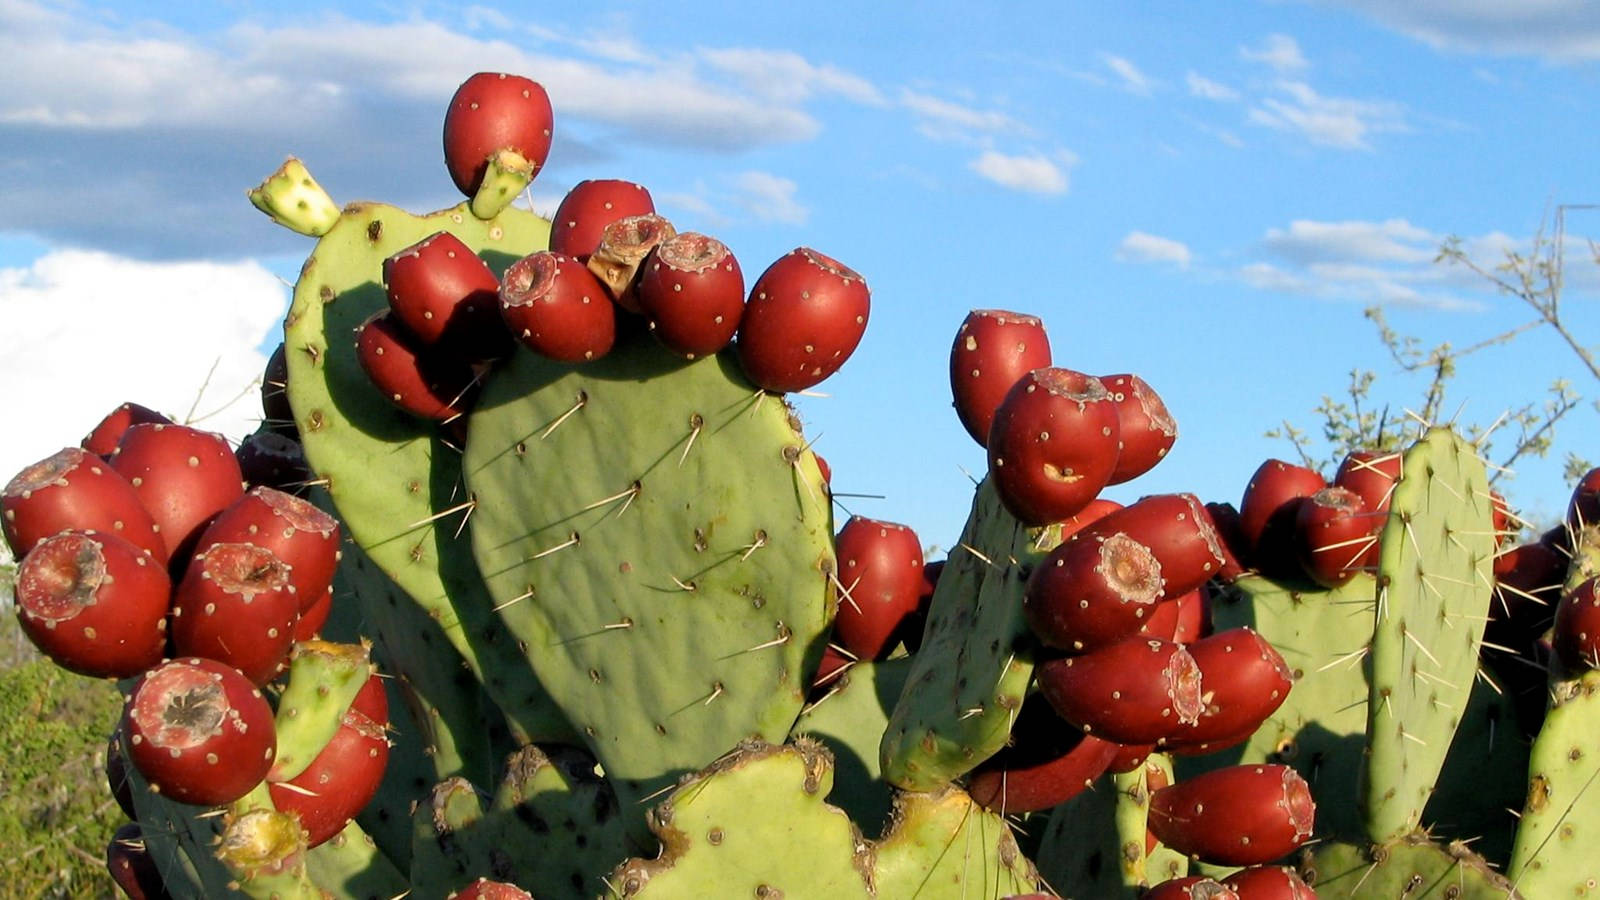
(489,113)
(1370,474)
(588,208)
(345,775)
(103,439)
(298,533)
(236,604)
(1053,444)
(993,348)
(624,246)
(268,459)
(277,416)
(880,568)
(1336,535)
(1178,532)
(484,889)
(446,296)
(692,292)
(1092,591)
(74,488)
(436,387)
(183,477)
(1147,430)
(132,867)
(199,731)
(1576,635)
(806,314)
(1235,816)
(1136,691)
(1245,680)
(1269,883)
(1043,765)
(1190,887)
(94,603)
(1583,510)
(1267,514)
(557,308)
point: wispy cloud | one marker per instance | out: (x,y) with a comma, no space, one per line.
(1339,122)
(1143,247)
(1128,75)
(1206,89)
(769,198)
(1555,30)
(943,119)
(1031,173)
(1278,51)
(787,77)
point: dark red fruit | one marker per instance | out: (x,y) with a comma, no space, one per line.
(94,603)
(103,439)
(588,208)
(1097,509)
(1181,619)
(1136,691)
(1147,430)
(1178,532)
(493,112)
(624,246)
(345,775)
(557,308)
(313,617)
(1337,535)
(1043,765)
(992,350)
(75,489)
(436,387)
(1190,887)
(1235,816)
(1053,444)
(199,731)
(268,459)
(1370,474)
(833,666)
(1268,511)
(298,533)
(1244,680)
(1225,519)
(1092,591)
(1583,510)
(446,296)
(1576,635)
(1269,883)
(236,604)
(183,477)
(692,291)
(1129,757)
(132,867)
(806,314)
(484,889)
(276,413)
(880,569)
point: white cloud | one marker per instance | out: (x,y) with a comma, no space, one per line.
(1032,173)
(1554,30)
(944,119)
(1133,80)
(1307,241)
(770,198)
(88,331)
(1143,247)
(1278,51)
(788,77)
(1206,89)
(1337,122)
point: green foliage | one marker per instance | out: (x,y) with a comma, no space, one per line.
(56,813)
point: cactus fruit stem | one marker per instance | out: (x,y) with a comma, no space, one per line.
(294,200)
(508,175)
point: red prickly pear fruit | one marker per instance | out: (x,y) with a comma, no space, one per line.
(75,489)
(344,776)
(276,413)
(805,316)
(1092,591)
(484,889)
(1053,444)
(1269,883)
(1267,514)
(1190,887)
(493,112)
(624,246)
(835,662)
(1097,509)
(1181,619)
(433,386)
(1043,765)
(1370,474)
(298,533)
(993,348)
(692,291)
(824,468)
(1225,519)
(94,603)
(1178,532)
(268,459)
(183,477)
(1506,522)
(132,867)
(236,604)
(588,208)
(1337,535)
(1235,816)
(1526,592)
(1136,691)
(313,617)
(447,297)
(1129,757)
(1576,635)
(103,439)
(1583,510)
(1147,429)
(1245,679)
(880,570)
(557,308)
(199,731)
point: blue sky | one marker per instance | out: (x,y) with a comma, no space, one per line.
(1206,199)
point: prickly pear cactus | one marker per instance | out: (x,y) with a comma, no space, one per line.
(941,844)
(850,718)
(1561,815)
(1412,868)
(657,540)
(1095,845)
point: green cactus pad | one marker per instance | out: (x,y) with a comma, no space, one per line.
(849,717)
(1434,588)
(349,864)
(753,824)
(1554,854)
(942,845)
(266,852)
(1094,844)
(180,843)
(1411,868)
(294,200)
(392,477)
(324,678)
(658,541)
(968,678)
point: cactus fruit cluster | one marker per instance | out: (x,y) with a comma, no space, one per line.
(531,586)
